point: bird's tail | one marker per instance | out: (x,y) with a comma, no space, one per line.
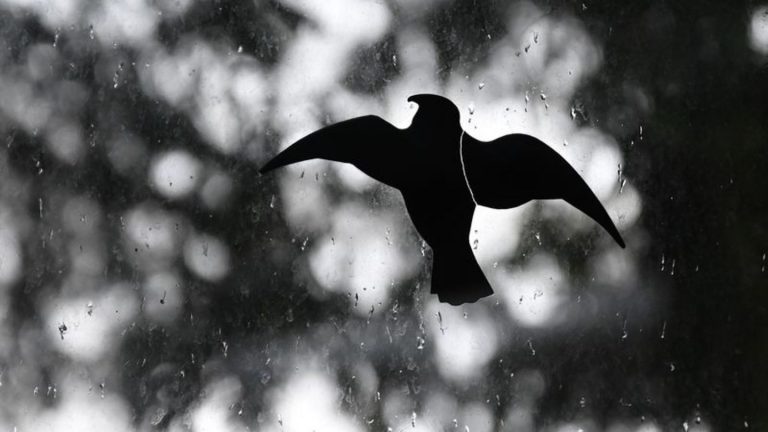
(585,200)
(457,277)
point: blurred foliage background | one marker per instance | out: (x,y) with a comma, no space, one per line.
(150,279)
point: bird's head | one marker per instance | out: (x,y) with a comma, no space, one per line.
(436,114)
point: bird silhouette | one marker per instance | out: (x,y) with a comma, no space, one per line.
(443,173)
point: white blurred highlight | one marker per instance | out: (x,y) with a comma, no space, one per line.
(602,171)
(625,208)
(89,336)
(497,233)
(467,345)
(54,14)
(225,96)
(535,294)
(362,255)
(477,417)
(207,257)
(11,263)
(65,140)
(152,236)
(442,406)
(519,418)
(361,21)
(128,21)
(758,30)
(163,297)
(304,201)
(80,408)
(308,401)
(215,412)
(354,179)
(175,173)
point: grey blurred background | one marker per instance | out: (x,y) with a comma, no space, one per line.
(150,279)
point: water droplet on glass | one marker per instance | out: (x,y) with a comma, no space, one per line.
(239,49)
(89,308)
(413,419)
(480,86)
(475,243)
(530,346)
(543,96)
(272,202)
(91,33)
(116,77)
(471,109)
(624,333)
(62,330)
(420,344)
(536,37)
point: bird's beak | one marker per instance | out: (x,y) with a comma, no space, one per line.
(415,98)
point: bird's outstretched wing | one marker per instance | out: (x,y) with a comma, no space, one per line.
(369,142)
(515,169)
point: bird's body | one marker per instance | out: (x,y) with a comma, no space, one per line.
(443,173)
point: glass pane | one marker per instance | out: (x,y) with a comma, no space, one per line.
(151,278)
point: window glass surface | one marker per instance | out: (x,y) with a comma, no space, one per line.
(152,279)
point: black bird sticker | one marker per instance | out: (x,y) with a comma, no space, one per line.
(443,173)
